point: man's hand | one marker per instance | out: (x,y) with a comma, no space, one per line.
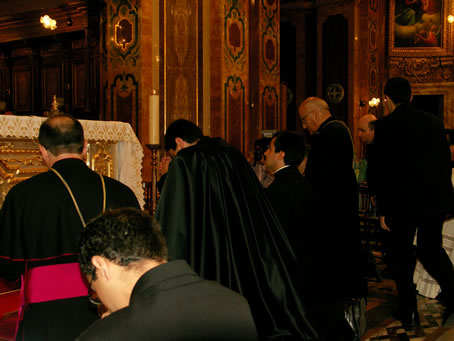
(164,164)
(383,224)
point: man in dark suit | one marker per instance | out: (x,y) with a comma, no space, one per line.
(414,192)
(124,256)
(289,194)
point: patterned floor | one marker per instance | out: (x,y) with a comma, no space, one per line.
(381,326)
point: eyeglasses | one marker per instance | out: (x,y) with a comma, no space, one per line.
(303,119)
(92,296)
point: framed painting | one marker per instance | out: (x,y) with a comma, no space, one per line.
(420,28)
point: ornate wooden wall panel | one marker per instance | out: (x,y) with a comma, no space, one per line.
(269,65)
(52,83)
(181,60)
(121,72)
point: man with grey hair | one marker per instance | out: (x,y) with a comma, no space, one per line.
(330,173)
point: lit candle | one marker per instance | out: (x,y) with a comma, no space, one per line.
(154,119)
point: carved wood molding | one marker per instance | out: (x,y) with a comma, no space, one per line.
(424,69)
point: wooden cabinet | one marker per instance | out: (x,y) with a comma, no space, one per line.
(64,66)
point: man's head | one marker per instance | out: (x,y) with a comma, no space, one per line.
(180,134)
(116,248)
(313,112)
(286,148)
(61,135)
(366,128)
(398,90)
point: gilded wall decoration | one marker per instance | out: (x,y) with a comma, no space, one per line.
(181,60)
(181,101)
(417,70)
(270,49)
(123,20)
(234,34)
(121,59)
(269,66)
(124,99)
(181,15)
(269,108)
(373,57)
(234,92)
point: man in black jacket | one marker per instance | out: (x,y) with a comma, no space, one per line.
(414,192)
(124,255)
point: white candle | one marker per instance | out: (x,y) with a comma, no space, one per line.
(154,119)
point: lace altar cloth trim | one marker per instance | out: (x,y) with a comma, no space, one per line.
(128,170)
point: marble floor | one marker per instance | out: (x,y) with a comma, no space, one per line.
(381,326)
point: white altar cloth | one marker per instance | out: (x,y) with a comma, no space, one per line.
(127,150)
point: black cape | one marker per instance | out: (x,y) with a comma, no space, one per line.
(215,215)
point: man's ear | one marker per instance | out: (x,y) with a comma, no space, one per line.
(180,143)
(281,155)
(43,151)
(84,151)
(101,264)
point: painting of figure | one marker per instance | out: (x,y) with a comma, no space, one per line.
(418,23)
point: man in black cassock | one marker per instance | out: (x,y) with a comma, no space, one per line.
(41,221)
(214,214)
(330,173)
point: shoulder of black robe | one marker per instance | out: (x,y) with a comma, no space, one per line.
(214,214)
(38,220)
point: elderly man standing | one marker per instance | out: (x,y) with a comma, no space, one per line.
(41,221)
(414,193)
(330,173)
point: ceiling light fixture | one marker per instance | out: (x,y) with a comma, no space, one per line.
(48,22)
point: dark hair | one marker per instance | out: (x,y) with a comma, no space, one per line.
(292,144)
(124,236)
(398,89)
(184,129)
(371,124)
(62,134)
(261,145)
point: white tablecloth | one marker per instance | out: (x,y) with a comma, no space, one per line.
(425,284)
(127,150)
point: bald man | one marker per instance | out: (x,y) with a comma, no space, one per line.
(329,171)
(366,127)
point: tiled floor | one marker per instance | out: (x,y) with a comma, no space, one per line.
(381,326)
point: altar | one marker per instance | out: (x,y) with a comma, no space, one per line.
(114,150)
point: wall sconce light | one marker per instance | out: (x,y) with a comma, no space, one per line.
(450,18)
(374,102)
(48,22)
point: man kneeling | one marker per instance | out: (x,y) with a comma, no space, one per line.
(124,256)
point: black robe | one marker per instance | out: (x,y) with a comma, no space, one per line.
(39,226)
(330,173)
(214,214)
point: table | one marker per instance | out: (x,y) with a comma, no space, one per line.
(425,284)
(114,151)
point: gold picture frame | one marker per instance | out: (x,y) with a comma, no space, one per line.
(420,29)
